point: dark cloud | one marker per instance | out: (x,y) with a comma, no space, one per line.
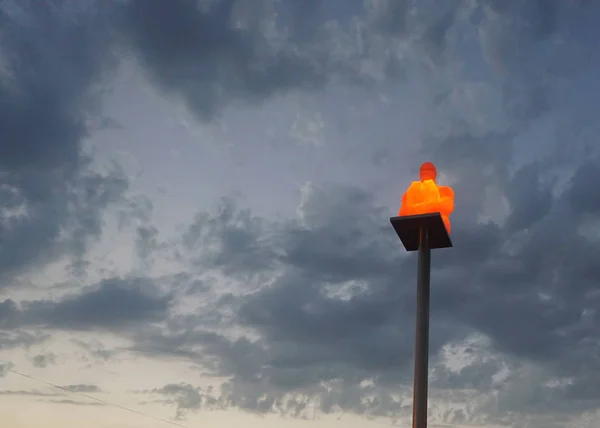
(200,54)
(314,326)
(331,323)
(235,50)
(113,304)
(50,201)
(209,55)
(308,334)
(231,240)
(584,198)
(529,199)
(340,311)
(9,313)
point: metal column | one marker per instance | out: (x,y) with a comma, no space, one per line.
(421,375)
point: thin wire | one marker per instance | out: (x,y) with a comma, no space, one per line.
(137,412)
(89,397)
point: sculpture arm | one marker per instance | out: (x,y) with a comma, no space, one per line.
(431,207)
(404,208)
(446,203)
(410,199)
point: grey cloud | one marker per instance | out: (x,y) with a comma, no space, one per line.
(30,393)
(108,122)
(474,376)
(82,388)
(531,276)
(146,242)
(51,58)
(44,360)
(339,311)
(307,336)
(230,239)
(187,398)
(529,199)
(113,304)
(227,51)
(251,58)
(583,197)
(341,224)
(525,65)
(390,16)
(96,349)
(21,338)
(208,61)
(46,159)
(9,313)
(518,40)
(200,55)
(316,328)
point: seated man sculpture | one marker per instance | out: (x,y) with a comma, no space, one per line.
(425,196)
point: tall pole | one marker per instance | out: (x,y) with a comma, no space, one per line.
(422,233)
(421,374)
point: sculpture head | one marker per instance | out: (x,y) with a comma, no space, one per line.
(428,171)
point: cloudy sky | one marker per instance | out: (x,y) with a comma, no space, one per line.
(195,201)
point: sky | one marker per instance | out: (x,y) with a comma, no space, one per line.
(195,201)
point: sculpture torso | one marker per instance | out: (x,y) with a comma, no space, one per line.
(423,197)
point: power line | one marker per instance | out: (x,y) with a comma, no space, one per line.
(89,397)
(137,412)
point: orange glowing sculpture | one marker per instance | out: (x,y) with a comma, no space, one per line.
(425,196)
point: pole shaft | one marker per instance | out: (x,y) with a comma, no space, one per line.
(421,374)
